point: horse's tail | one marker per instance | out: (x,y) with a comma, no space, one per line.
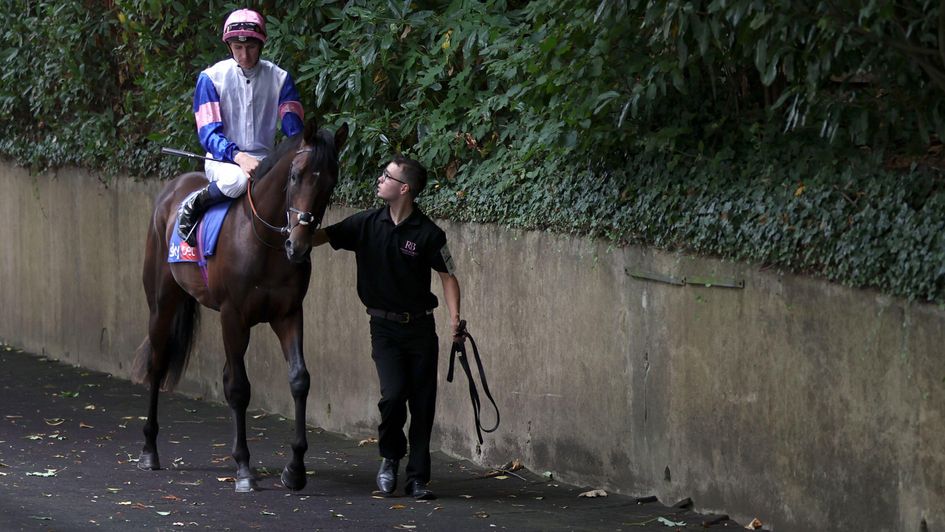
(178,348)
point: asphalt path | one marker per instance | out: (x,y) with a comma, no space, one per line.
(69,441)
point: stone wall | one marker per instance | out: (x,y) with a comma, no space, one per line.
(807,404)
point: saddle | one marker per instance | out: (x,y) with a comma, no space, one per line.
(208,231)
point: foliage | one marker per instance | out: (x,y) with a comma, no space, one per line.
(803,135)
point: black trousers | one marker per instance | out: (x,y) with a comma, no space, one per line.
(406,359)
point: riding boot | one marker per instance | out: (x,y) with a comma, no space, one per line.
(192,209)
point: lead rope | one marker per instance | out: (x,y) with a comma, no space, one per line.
(460,349)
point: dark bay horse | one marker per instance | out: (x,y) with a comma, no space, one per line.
(258,275)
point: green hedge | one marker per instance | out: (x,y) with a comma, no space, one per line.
(800,135)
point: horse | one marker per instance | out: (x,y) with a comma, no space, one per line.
(253,278)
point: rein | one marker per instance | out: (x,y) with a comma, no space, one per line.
(305,218)
(460,349)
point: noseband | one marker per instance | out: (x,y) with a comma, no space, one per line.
(304,217)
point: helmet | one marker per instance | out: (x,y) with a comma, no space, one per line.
(244,24)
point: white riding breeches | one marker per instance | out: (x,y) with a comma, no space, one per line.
(230,178)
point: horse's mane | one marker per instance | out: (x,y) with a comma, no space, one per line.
(326,153)
(287,144)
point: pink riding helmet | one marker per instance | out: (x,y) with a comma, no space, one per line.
(244,24)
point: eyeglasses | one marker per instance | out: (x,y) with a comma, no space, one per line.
(387,176)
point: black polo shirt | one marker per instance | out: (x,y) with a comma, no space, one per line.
(394,262)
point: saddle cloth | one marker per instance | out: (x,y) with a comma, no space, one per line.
(208,230)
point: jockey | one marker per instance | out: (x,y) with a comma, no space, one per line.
(236,105)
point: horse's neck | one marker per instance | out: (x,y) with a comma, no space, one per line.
(269,195)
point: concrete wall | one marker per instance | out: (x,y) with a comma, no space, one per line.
(807,404)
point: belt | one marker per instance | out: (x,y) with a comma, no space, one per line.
(399,317)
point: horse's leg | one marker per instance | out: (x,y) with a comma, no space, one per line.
(157,337)
(152,358)
(237,390)
(289,331)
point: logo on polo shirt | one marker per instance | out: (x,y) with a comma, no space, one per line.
(409,248)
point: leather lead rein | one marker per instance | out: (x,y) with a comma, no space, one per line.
(460,349)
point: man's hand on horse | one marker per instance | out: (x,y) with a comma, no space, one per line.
(247,163)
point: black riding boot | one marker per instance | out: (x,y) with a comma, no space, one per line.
(193,209)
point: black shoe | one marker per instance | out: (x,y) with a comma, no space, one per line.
(192,209)
(418,490)
(387,475)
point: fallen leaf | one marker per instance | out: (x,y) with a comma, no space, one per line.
(2,474)
(667,522)
(123,503)
(539,498)
(408,527)
(799,191)
(481,515)
(755,524)
(3,465)
(90,407)
(13,417)
(367,441)
(41,518)
(54,421)
(264,512)
(113,490)
(466,496)
(163,513)
(178,523)
(594,493)
(514,465)
(35,437)
(69,394)
(398,507)
(501,477)
(226,479)
(171,498)
(83,425)
(47,473)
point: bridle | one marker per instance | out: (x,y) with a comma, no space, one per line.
(304,217)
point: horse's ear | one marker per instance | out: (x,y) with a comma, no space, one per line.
(311,131)
(341,136)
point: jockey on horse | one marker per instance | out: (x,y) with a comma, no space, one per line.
(236,104)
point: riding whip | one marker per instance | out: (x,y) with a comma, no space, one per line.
(182,153)
(459,348)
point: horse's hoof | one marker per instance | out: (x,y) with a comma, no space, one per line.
(149,461)
(293,479)
(245,485)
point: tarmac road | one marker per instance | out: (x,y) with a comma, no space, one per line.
(69,439)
